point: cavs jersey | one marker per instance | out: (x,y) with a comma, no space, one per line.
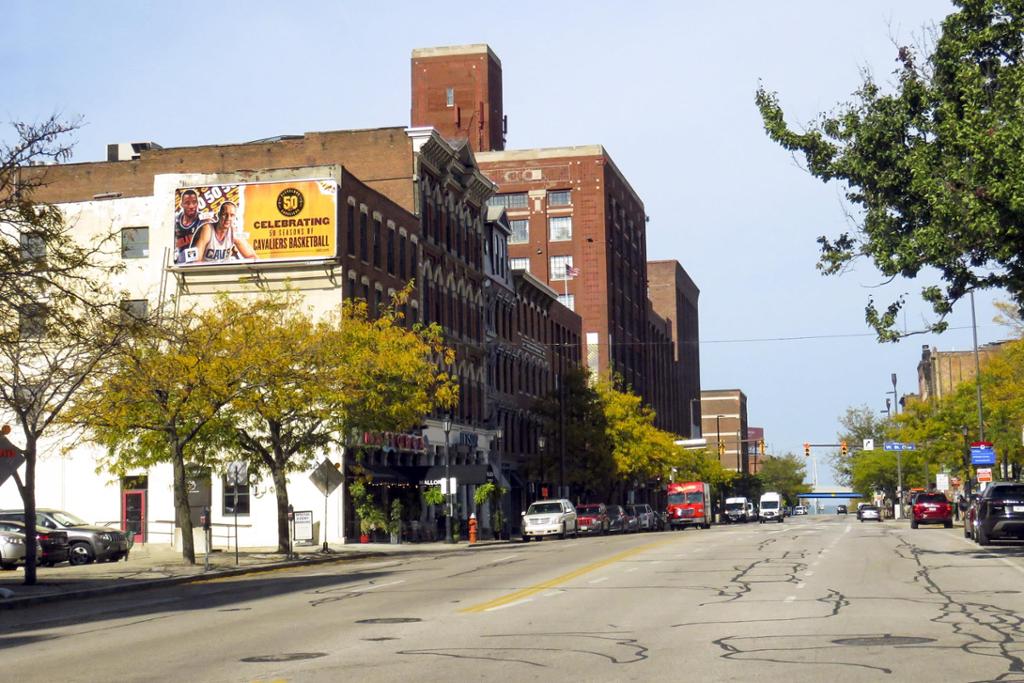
(184,237)
(219,249)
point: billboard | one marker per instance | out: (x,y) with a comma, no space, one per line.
(255,222)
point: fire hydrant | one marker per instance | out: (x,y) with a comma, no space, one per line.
(472,528)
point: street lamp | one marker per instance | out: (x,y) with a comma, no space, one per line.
(967,461)
(541,441)
(448,481)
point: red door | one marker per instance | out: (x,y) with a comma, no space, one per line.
(133,514)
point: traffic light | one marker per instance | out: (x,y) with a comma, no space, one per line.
(807,450)
(842,447)
(760,445)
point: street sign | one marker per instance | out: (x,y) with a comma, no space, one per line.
(984,475)
(326,477)
(238,473)
(11,458)
(303,526)
(899,446)
(982,453)
(448,485)
(869,445)
(942,481)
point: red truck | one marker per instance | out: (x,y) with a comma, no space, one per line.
(689,504)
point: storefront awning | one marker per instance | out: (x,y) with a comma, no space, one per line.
(464,474)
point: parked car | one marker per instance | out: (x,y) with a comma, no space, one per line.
(841,510)
(646,520)
(12,549)
(800,510)
(52,544)
(632,523)
(931,508)
(617,521)
(869,512)
(592,518)
(997,513)
(86,542)
(549,518)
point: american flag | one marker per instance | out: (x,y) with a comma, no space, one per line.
(570,271)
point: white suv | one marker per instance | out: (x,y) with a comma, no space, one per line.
(549,518)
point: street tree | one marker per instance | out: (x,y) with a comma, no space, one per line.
(641,451)
(320,381)
(784,474)
(858,424)
(163,398)
(59,319)
(575,411)
(933,167)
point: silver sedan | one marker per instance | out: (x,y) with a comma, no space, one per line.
(12,549)
(870,512)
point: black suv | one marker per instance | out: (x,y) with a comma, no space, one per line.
(997,513)
(86,542)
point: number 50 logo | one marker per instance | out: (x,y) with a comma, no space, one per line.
(290,202)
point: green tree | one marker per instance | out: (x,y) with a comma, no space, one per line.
(589,465)
(784,474)
(59,321)
(321,380)
(163,398)
(934,167)
(858,424)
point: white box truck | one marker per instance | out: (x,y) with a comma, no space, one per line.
(770,508)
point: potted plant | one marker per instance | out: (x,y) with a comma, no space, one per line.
(371,518)
(395,527)
(490,495)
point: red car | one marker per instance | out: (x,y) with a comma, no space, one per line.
(932,508)
(592,518)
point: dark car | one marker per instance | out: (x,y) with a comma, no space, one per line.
(54,544)
(618,522)
(86,541)
(931,508)
(840,509)
(997,513)
(592,518)
(646,519)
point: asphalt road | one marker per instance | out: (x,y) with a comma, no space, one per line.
(814,599)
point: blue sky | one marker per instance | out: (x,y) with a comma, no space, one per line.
(667,88)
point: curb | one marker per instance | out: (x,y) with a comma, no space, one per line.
(145,584)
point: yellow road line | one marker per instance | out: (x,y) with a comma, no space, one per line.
(551,583)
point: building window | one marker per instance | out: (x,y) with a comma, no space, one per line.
(519,264)
(560,228)
(134,242)
(242,490)
(391,252)
(33,247)
(560,198)
(136,309)
(364,249)
(520,232)
(515,200)
(401,257)
(350,230)
(559,267)
(376,242)
(31,321)
(449,97)
(568,300)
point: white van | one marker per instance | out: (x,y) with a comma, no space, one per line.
(771,508)
(736,510)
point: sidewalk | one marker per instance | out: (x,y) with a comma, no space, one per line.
(154,564)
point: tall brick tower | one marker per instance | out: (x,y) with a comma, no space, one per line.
(457,90)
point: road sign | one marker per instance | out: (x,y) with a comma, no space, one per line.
(238,473)
(11,458)
(303,526)
(326,477)
(869,445)
(448,485)
(984,474)
(942,481)
(983,454)
(899,446)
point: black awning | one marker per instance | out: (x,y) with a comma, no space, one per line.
(464,474)
(382,474)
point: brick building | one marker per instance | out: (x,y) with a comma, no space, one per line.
(724,425)
(577,226)
(939,372)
